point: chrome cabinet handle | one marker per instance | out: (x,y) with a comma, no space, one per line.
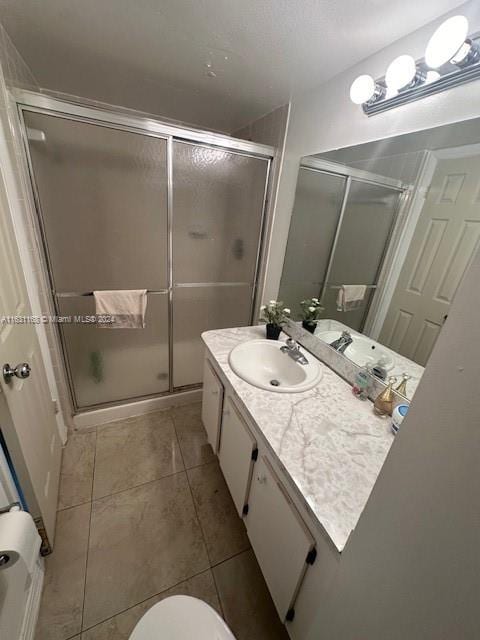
(21,371)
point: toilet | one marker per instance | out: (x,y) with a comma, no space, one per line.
(181,618)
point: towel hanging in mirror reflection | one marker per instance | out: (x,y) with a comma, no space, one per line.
(351,297)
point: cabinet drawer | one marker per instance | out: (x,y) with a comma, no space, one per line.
(282,543)
(212,403)
(237,453)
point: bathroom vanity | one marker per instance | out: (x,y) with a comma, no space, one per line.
(299,466)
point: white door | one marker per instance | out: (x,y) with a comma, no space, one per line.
(28,420)
(280,539)
(445,240)
(212,403)
(237,454)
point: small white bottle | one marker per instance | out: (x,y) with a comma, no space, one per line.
(398,415)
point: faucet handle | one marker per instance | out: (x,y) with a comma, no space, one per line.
(291,344)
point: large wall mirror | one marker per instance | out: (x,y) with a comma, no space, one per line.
(381,234)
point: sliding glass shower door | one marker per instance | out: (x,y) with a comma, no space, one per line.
(130,210)
(103,199)
(218,199)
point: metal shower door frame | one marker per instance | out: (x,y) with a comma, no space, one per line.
(29,101)
(351,175)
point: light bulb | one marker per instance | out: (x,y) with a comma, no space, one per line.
(446,41)
(400,73)
(362,89)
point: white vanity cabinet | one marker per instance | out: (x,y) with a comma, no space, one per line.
(212,404)
(281,540)
(237,454)
(282,543)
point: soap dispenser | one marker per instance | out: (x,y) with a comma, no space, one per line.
(402,387)
(383,405)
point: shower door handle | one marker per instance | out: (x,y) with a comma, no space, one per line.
(21,371)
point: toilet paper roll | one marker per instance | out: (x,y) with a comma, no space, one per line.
(19,540)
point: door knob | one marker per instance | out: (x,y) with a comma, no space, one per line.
(22,371)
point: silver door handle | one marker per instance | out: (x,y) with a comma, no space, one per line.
(21,371)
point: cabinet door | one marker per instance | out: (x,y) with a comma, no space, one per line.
(237,453)
(281,541)
(212,404)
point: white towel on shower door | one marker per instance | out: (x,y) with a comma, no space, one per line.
(126,308)
(350,297)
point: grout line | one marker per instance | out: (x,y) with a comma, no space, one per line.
(202,464)
(155,595)
(136,486)
(89,533)
(72,506)
(193,500)
(200,523)
(238,553)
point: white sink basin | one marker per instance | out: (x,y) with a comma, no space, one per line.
(362,351)
(261,363)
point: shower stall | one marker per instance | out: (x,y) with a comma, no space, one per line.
(125,202)
(340,233)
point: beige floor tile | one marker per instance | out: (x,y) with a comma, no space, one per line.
(246,602)
(62,599)
(191,435)
(142,541)
(77,470)
(224,532)
(134,451)
(121,626)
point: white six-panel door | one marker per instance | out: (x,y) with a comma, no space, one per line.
(445,240)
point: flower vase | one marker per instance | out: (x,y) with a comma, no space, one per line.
(309,326)
(273,331)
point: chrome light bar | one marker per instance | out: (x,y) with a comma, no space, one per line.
(446,77)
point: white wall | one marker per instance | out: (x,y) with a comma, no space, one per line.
(326,119)
(271,129)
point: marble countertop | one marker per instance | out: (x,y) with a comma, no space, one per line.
(329,443)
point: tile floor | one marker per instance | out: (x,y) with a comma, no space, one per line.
(144,513)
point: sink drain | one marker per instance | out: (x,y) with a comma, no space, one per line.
(275,383)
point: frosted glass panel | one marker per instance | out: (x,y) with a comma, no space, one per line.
(109,365)
(366,226)
(318,200)
(217,214)
(103,196)
(198,309)
(362,242)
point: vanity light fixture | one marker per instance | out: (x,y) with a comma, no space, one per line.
(451,58)
(364,88)
(449,43)
(402,73)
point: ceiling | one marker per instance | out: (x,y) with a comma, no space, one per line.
(152,55)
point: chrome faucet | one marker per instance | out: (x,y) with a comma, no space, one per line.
(340,344)
(291,348)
